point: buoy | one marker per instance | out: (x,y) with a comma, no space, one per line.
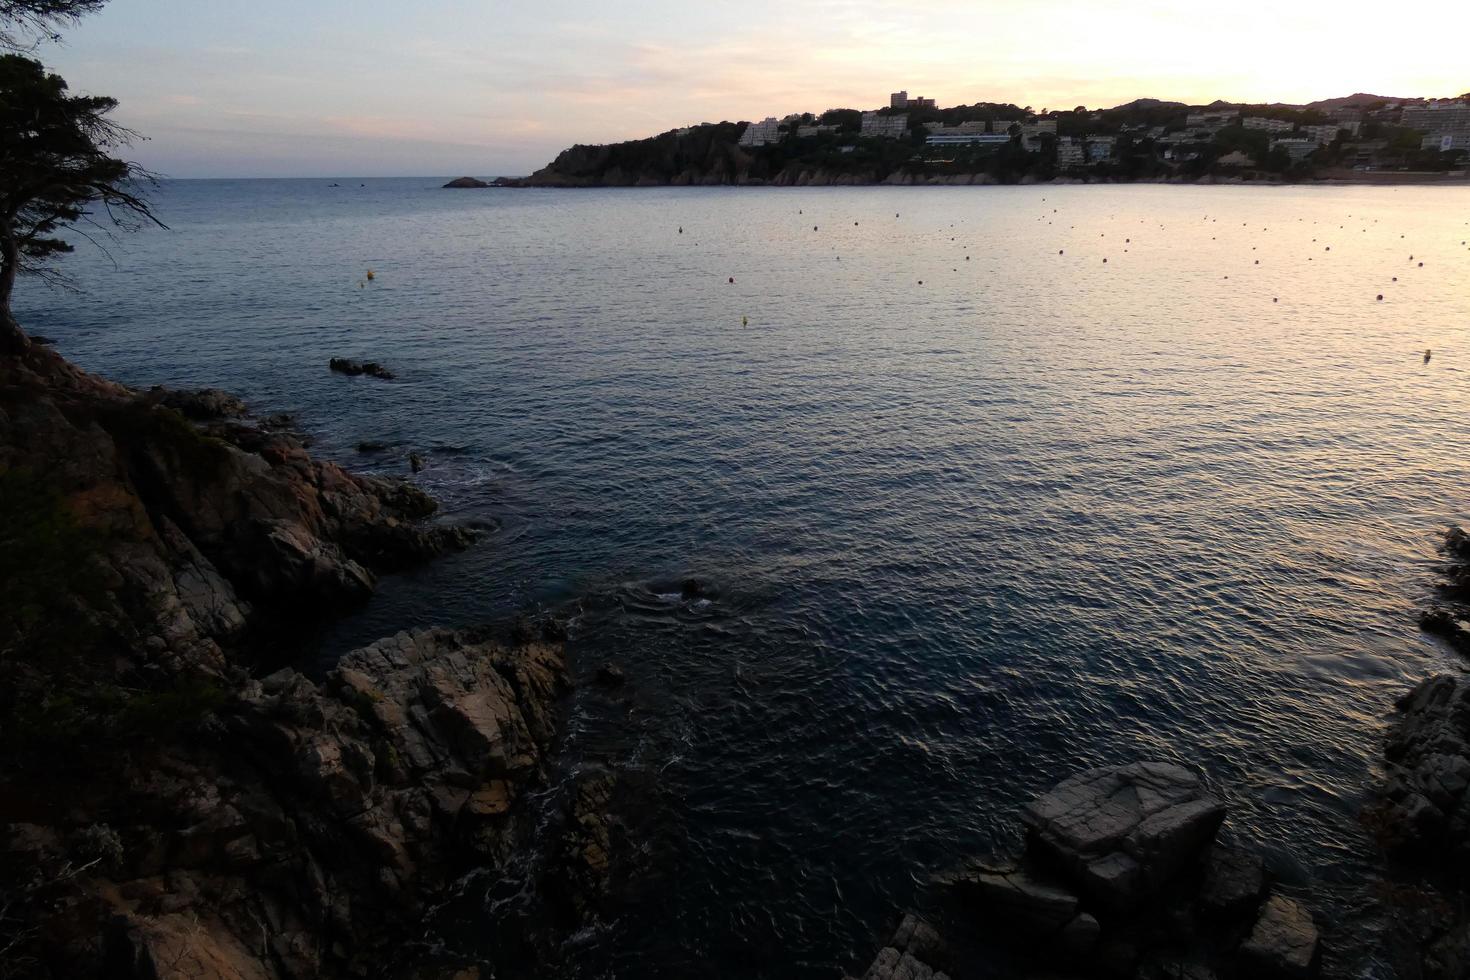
(681,229)
(1395,278)
(921,282)
(1421,265)
(1380,297)
(814,227)
(732,278)
(745,321)
(1060,251)
(371,275)
(1427,355)
(1274,299)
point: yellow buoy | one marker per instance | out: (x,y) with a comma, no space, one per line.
(371,275)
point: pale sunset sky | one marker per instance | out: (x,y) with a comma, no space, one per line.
(483,87)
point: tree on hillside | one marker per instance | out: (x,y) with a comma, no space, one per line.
(25,23)
(56,169)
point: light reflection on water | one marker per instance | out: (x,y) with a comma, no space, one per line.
(1037,513)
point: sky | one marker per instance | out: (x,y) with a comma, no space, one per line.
(362,88)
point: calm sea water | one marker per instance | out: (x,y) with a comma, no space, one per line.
(980,508)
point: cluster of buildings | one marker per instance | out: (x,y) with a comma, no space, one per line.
(1444,125)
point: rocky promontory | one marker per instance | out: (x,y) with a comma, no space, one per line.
(175,799)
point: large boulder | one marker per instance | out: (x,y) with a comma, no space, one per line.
(1283,942)
(1125,831)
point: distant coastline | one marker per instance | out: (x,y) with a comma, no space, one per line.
(1383,179)
(1360,139)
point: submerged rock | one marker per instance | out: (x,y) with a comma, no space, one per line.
(351,368)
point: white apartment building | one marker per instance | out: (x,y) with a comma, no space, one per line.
(1446,124)
(1297,149)
(1211,122)
(1269,125)
(760,133)
(878,126)
(1323,134)
(967,139)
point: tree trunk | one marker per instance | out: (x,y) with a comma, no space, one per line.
(12,338)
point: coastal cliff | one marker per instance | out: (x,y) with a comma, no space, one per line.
(175,801)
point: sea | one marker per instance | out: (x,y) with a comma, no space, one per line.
(896,506)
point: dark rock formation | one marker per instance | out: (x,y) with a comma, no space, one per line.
(1122,878)
(353,369)
(303,828)
(466,182)
(1125,832)
(1426,809)
(184,818)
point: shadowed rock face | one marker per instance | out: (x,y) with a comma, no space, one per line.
(311,822)
(211,519)
(1428,753)
(1125,831)
(278,827)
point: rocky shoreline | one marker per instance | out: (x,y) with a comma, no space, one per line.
(176,803)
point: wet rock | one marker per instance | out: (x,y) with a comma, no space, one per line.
(1125,831)
(466,182)
(586,845)
(1424,806)
(610,675)
(1453,626)
(415,462)
(371,446)
(1013,900)
(351,368)
(1233,882)
(1283,942)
